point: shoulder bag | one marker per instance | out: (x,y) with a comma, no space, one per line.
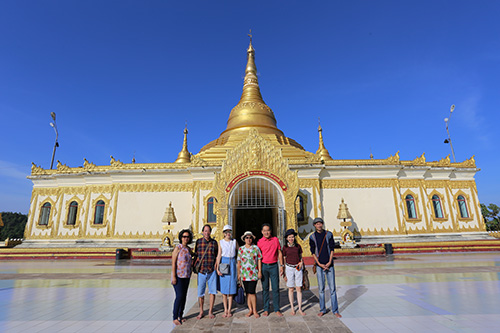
(196,267)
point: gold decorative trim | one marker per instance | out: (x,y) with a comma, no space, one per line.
(395,190)
(254,153)
(352,183)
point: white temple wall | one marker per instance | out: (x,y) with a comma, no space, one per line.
(142,212)
(370,207)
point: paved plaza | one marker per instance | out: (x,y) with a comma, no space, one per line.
(445,292)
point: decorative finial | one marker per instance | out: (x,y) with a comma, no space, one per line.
(250,35)
(184,156)
(133,158)
(371,155)
(322,151)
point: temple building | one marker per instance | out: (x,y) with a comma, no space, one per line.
(253,173)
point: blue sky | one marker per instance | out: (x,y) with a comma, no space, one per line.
(124,76)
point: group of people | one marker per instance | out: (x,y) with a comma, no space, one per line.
(222,266)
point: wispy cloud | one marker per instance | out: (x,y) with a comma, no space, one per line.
(12,170)
(472,117)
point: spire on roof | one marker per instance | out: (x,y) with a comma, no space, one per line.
(184,156)
(322,151)
(251,111)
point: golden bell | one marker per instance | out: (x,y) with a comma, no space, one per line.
(169,215)
(344,211)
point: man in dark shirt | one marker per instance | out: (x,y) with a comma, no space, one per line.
(322,244)
(206,252)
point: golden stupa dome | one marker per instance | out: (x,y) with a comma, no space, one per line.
(251,112)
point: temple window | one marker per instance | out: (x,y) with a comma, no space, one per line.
(436,204)
(300,209)
(211,217)
(410,207)
(45,214)
(72,211)
(462,206)
(99,212)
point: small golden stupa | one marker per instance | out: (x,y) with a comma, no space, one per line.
(168,217)
(347,237)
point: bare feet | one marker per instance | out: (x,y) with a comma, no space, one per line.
(302,312)
(265,313)
(183,320)
(293,312)
(256,315)
(320,314)
(249,314)
(199,316)
(177,323)
(211,316)
(224,315)
(229,315)
(279,314)
(338,315)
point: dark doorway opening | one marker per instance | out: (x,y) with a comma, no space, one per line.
(252,220)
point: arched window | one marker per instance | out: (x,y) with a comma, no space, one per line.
(73,209)
(462,206)
(300,209)
(436,203)
(211,217)
(45,214)
(410,207)
(99,212)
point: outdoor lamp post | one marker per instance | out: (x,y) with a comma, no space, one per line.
(56,144)
(447,121)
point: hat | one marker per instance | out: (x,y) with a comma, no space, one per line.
(318,219)
(227,227)
(290,232)
(247,233)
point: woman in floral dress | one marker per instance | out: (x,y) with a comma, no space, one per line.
(250,270)
(181,273)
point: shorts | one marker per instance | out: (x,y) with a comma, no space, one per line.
(250,286)
(294,277)
(211,280)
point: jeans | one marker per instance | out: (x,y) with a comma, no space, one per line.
(271,272)
(330,277)
(181,289)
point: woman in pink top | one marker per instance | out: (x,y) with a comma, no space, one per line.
(181,273)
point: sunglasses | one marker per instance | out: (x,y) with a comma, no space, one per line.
(248,237)
(186,236)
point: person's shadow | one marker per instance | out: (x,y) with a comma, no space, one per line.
(350,296)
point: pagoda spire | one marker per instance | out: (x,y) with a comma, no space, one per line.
(184,155)
(251,111)
(322,151)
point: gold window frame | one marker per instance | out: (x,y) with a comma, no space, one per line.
(417,210)
(51,214)
(431,205)
(105,214)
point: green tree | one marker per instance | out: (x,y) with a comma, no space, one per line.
(491,216)
(13,225)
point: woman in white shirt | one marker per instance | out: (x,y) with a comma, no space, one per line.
(226,269)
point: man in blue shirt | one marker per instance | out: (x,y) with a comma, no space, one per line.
(322,244)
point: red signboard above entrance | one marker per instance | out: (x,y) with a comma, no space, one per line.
(256,173)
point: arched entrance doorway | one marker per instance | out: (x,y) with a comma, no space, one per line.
(253,202)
